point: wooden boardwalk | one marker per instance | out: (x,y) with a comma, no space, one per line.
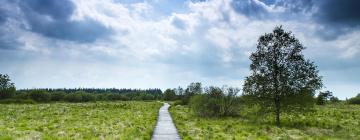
(165,128)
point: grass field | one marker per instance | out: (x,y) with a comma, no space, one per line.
(327,122)
(100,120)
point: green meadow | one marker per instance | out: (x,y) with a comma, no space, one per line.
(326,122)
(96,120)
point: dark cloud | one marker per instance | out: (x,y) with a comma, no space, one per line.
(51,18)
(337,17)
(330,12)
(8,42)
(339,12)
(57,9)
(3,16)
(268,2)
(249,8)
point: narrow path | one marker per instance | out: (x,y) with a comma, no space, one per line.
(165,128)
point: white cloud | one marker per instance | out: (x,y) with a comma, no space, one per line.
(212,47)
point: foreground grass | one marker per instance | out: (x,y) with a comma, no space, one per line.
(327,122)
(100,120)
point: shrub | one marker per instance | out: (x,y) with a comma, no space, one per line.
(87,97)
(323,97)
(58,96)
(334,99)
(216,102)
(17,101)
(39,96)
(169,95)
(178,102)
(117,96)
(21,95)
(192,90)
(80,96)
(73,97)
(102,96)
(202,105)
(7,93)
(7,89)
(354,100)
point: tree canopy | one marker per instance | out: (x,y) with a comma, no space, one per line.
(281,78)
(7,88)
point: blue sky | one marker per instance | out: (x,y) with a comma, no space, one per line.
(165,44)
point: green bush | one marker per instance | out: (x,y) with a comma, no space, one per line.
(57,96)
(323,97)
(354,100)
(17,101)
(7,93)
(87,97)
(334,99)
(7,88)
(169,95)
(216,102)
(39,96)
(80,96)
(202,105)
(117,96)
(178,102)
(73,97)
(21,95)
(103,96)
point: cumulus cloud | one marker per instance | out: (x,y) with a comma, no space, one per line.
(51,19)
(117,43)
(335,12)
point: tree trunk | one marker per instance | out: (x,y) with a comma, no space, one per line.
(276,85)
(277,111)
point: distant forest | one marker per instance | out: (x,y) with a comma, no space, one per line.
(79,95)
(155,91)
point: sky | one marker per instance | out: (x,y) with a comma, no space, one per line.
(170,43)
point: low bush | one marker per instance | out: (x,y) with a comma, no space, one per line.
(87,97)
(7,88)
(354,100)
(117,97)
(39,96)
(21,95)
(57,96)
(169,95)
(7,93)
(216,102)
(72,97)
(17,101)
(178,102)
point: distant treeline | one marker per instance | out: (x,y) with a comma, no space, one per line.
(154,91)
(82,95)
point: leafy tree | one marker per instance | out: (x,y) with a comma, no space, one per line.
(282,80)
(86,97)
(169,95)
(334,99)
(323,97)
(191,90)
(354,100)
(72,97)
(216,102)
(40,96)
(179,92)
(231,103)
(7,88)
(57,96)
